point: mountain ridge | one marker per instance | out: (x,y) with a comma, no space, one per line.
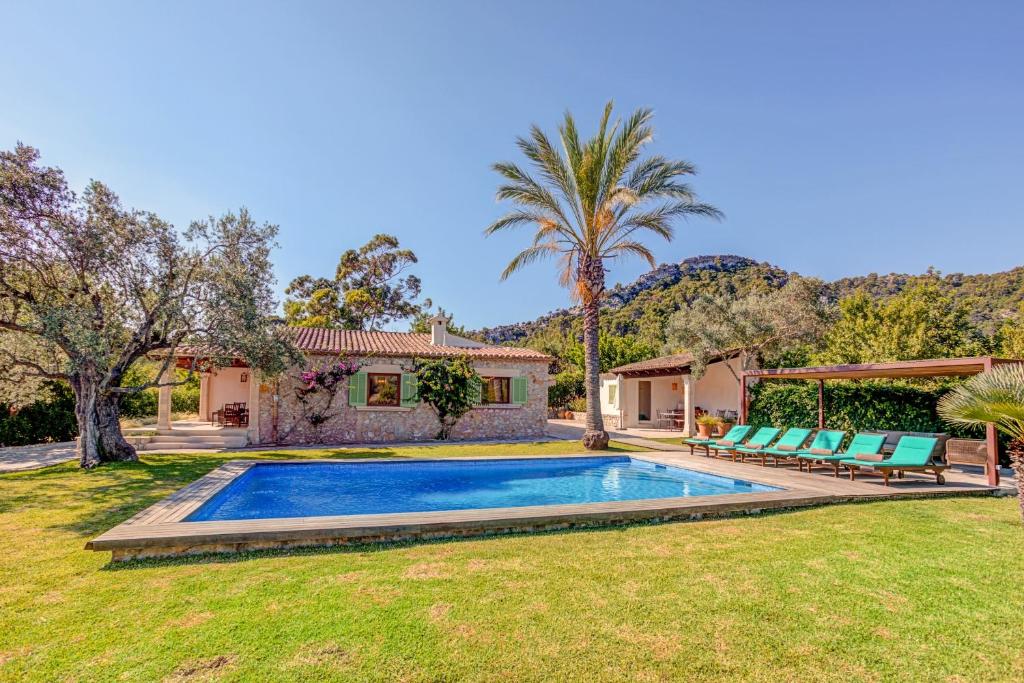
(642,306)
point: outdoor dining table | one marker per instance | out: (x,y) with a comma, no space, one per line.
(676,417)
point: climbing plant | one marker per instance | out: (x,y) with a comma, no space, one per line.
(319,386)
(450,386)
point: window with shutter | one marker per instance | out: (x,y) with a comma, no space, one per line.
(476,390)
(409,388)
(519,390)
(357,389)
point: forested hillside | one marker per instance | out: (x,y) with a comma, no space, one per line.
(642,307)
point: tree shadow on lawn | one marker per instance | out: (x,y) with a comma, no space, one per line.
(104,497)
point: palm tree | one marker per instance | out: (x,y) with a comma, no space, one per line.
(589,203)
(995,397)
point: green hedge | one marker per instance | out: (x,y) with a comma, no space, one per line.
(566,386)
(184,399)
(852,406)
(51,418)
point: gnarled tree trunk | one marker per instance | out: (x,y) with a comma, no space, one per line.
(591,275)
(99,429)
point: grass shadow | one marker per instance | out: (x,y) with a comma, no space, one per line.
(113,493)
(388,546)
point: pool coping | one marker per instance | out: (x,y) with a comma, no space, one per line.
(160,530)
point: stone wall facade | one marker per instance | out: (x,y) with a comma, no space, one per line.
(367,424)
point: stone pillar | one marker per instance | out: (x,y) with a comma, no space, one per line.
(688,391)
(204,397)
(620,400)
(253,404)
(163,408)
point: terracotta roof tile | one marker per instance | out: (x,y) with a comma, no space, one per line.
(329,341)
(679,360)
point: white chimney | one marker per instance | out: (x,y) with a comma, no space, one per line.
(439,330)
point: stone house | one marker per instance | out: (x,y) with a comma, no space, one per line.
(379,404)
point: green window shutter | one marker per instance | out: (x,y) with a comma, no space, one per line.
(476,388)
(357,389)
(611,394)
(409,388)
(519,390)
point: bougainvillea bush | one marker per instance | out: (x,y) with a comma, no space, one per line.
(449,386)
(320,384)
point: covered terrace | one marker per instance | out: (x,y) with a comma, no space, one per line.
(937,367)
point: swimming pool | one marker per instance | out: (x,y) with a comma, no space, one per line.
(284,490)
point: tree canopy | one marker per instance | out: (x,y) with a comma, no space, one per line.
(920,322)
(88,287)
(612,351)
(750,327)
(370,289)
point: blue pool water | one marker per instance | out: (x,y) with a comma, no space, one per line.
(270,490)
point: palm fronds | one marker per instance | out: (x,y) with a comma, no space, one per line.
(590,199)
(995,397)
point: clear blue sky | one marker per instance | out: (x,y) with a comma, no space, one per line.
(838,138)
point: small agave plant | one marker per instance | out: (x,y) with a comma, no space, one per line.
(996,397)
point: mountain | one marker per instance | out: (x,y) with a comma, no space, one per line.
(642,306)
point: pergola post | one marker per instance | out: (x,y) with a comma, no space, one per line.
(991,443)
(992,446)
(821,404)
(743,398)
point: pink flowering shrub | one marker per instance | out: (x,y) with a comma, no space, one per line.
(328,376)
(320,385)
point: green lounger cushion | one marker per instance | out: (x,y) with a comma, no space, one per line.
(764,436)
(793,437)
(826,439)
(735,434)
(862,443)
(911,451)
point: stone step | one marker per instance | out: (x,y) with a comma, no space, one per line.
(211,431)
(189,444)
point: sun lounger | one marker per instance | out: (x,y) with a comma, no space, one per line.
(912,454)
(735,435)
(761,438)
(868,444)
(786,447)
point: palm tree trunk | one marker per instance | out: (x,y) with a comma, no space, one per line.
(595,438)
(1015,449)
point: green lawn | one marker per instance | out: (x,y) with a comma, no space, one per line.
(914,590)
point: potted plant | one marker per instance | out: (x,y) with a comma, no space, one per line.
(723,426)
(705,423)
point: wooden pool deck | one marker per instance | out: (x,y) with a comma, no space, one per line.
(159,531)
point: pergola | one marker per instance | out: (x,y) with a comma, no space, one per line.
(938,367)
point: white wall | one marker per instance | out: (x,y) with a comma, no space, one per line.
(663,397)
(226,386)
(718,388)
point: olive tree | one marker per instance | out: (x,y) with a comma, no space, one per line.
(748,327)
(88,287)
